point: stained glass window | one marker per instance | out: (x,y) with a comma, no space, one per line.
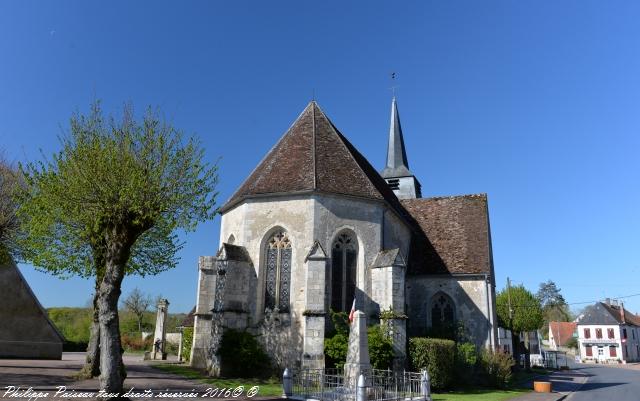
(344,261)
(442,311)
(278,272)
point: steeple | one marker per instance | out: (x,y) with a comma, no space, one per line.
(403,183)
(397,164)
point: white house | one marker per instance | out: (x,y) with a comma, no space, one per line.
(607,333)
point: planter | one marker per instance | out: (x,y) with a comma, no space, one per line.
(542,387)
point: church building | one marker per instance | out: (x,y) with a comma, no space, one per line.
(315,226)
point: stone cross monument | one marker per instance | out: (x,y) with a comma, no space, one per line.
(358,361)
(160,335)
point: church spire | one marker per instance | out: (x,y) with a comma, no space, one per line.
(397,164)
(403,183)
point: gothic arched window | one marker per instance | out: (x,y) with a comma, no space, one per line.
(443,313)
(278,272)
(344,261)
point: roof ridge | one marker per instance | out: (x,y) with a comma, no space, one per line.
(314,145)
(350,150)
(265,157)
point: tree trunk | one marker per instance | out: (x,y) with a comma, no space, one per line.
(111,366)
(527,358)
(515,344)
(91,367)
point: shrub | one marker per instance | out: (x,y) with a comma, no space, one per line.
(435,355)
(466,361)
(242,356)
(187,341)
(335,350)
(496,366)
(134,342)
(380,348)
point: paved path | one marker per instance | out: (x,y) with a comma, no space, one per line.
(46,376)
(563,383)
(609,383)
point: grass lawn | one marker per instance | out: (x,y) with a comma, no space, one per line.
(273,387)
(268,387)
(479,395)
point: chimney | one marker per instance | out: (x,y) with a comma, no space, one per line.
(607,301)
(622,312)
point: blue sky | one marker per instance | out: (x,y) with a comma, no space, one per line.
(534,102)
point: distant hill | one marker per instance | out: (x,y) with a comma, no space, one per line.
(74,323)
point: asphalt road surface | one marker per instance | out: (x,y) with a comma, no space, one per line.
(606,383)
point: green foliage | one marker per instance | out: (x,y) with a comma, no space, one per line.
(187,341)
(335,350)
(435,355)
(340,321)
(380,348)
(497,367)
(466,361)
(10,182)
(527,312)
(142,178)
(554,306)
(391,314)
(73,323)
(242,356)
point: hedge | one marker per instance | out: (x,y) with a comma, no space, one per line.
(187,341)
(437,356)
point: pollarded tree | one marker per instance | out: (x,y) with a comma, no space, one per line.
(519,311)
(113,187)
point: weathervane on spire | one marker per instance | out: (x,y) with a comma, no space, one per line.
(393,87)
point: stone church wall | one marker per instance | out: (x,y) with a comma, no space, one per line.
(471,296)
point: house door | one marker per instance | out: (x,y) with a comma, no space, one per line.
(601,355)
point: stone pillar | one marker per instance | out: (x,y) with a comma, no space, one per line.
(315,312)
(358,361)
(207,278)
(160,335)
(388,291)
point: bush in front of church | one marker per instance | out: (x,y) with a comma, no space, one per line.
(435,355)
(335,347)
(496,367)
(242,356)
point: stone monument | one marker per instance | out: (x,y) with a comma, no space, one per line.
(358,361)
(160,335)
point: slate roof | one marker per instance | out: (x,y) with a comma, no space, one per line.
(454,236)
(314,156)
(562,331)
(604,314)
(450,234)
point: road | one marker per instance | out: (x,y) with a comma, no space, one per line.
(608,383)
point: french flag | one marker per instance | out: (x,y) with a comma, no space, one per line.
(353,311)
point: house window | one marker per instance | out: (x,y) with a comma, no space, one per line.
(610,333)
(587,333)
(598,333)
(442,312)
(624,333)
(278,272)
(588,350)
(612,351)
(344,262)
